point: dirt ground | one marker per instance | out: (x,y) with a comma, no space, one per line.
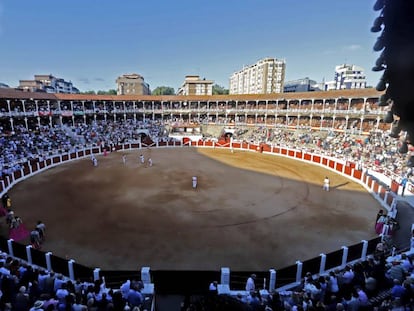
(251,211)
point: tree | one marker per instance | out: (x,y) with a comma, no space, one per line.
(219,90)
(163,90)
(100,92)
(109,92)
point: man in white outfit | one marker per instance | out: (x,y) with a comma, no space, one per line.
(194,182)
(326,184)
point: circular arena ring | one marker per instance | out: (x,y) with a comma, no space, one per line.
(250,210)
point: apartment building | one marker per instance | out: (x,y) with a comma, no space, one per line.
(49,84)
(347,77)
(264,77)
(301,85)
(193,85)
(132,84)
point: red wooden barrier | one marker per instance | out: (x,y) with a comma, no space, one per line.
(339,167)
(291,153)
(316,159)
(324,161)
(266,148)
(357,174)
(299,154)
(390,198)
(17,174)
(375,187)
(394,186)
(308,157)
(283,151)
(369,182)
(348,170)
(26,170)
(331,164)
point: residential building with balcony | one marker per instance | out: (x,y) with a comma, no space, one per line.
(48,84)
(347,77)
(193,85)
(267,76)
(132,84)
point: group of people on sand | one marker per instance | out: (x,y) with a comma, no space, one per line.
(17,230)
(385,224)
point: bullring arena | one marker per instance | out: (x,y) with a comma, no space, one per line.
(251,211)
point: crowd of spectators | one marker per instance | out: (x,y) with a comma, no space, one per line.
(22,145)
(24,287)
(380,283)
(22,284)
(377,150)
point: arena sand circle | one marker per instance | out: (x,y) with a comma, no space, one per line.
(250,211)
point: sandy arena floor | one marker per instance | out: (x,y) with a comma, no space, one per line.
(251,211)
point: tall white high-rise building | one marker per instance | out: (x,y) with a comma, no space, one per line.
(264,77)
(347,77)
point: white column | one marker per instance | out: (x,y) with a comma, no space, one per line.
(323,263)
(10,247)
(412,239)
(71,271)
(145,275)
(364,250)
(344,256)
(272,280)
(225,276)
(386,196)
(48,262)
(299,266)
(29,254)
(96,274)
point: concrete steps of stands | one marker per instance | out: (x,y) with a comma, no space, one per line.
(168,302)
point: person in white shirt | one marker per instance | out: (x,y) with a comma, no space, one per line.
(326,183)
(194,182)
(250,286)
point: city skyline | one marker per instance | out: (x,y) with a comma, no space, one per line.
(91,43)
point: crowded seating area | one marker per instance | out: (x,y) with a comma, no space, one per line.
(24,287)
(376,282)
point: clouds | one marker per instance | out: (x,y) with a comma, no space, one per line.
(86,80)
(352,47)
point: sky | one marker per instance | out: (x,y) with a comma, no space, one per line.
(92,42)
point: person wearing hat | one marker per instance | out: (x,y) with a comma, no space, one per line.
(38,305)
